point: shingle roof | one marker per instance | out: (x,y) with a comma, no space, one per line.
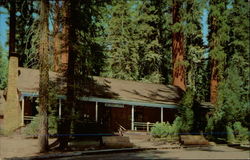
(28,81)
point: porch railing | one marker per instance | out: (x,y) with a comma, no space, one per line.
(28,118)
(143,125)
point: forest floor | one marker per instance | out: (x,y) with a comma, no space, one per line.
(18,146)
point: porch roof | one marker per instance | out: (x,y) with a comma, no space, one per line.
(107,90)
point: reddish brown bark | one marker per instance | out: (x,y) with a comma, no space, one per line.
(56,36)
(178,50)
(65,39)
(214,64)
(68,60)
(214,82)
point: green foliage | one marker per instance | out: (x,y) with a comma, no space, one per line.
(136,41)
(233,105)
(3,69)
(186,112)
(242,134)
(27,36)
(164,130)
(229,24)
(32,129)
(218,35)
(122,61)
(237,134)
(230,134)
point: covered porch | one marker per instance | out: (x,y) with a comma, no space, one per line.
(110,113)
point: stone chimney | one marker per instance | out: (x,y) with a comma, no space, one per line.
(12,110)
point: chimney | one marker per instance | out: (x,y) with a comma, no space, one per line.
(12,110)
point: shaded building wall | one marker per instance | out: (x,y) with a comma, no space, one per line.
(86,110)
(169,115)
(120,116)
(151,114)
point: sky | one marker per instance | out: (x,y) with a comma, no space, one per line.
(4,27)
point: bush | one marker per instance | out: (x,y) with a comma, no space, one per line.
(230,134)
(166,130)
(237,133)
(32,129)
(241,133)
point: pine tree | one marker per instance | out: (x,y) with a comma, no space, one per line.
(44,76)
(122,53)
(218,36)
(233,90)
(147,38)
(195,61)
(26,33)
(233,93)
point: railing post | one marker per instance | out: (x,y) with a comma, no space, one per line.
(132,118)
(147,126)
(60,108)
(22,112)
(96,111)
(161,114)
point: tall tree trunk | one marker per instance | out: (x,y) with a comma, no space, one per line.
(178,50)
(56,36)
(12,32)
(214,82)
(44,76)
(65,35)
(214,63)
(69,41)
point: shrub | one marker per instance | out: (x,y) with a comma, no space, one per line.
(230,134)
(32,129)
(237,134)
(241,133)
(165,130)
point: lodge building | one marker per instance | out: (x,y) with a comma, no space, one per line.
(106,101)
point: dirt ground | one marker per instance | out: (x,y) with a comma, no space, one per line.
(17,146)
(216,152)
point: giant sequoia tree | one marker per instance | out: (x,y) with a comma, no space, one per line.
(218,36)
(178,53)
(56,36)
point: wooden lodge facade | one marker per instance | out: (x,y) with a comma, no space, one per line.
(106,101)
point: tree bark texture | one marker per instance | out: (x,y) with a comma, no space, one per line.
(44,77)
(178,50)
(56,36)
(65,35)
(214,82)
(69,41)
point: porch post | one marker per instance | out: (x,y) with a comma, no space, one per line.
(96,111)
(60,108)
(161,114)
(132,118)
(22,122)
